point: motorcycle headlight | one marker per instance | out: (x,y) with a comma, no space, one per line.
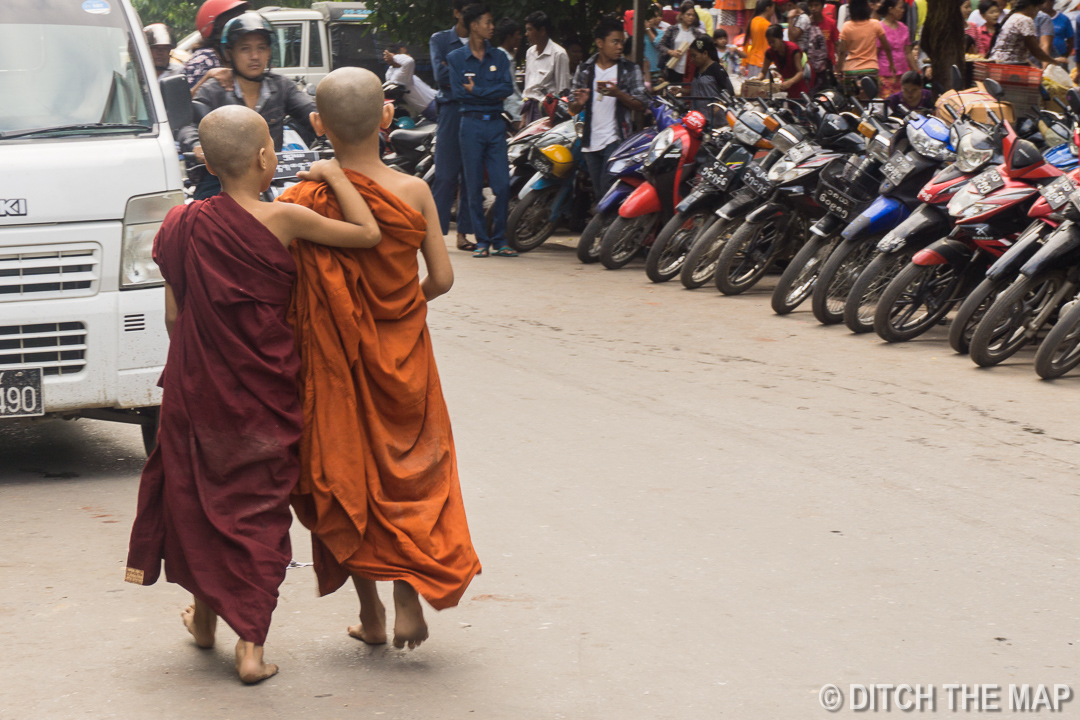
(879,147)
(659,146)
(962,201)
(142,219)
(928,146)
(745,135)
(781,168)
(970,158)
(516,151)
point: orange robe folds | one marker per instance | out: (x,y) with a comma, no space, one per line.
(378,483)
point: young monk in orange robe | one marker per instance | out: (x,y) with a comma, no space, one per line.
(214,496)
(379,485)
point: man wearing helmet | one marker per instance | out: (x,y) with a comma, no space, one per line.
(247,45)
(161,45)
(206,62)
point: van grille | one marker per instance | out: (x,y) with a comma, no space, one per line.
(58,348)
(59,271)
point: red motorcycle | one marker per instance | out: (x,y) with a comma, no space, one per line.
(668,171)
(990,212)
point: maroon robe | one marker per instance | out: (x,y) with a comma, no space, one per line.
(214,496)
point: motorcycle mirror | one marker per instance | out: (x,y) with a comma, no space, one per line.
(993,88)
(869,88)
(1074,100)
(177,98)
(957,78)
(311,90)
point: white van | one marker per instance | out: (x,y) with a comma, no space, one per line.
(88,169)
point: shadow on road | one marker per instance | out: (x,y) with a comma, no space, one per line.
(60,451)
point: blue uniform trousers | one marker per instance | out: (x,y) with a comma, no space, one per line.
(483,147)
(444,187)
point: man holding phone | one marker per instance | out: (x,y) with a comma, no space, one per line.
(609,88)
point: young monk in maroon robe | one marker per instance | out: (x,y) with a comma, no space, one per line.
(378,485)
(214,496)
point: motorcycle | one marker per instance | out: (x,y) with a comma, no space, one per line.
(626,166)
(668,169)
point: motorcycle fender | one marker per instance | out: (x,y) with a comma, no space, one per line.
(827,226)
(883,213)
(1017,256)
(643,201)
(924,219)
(944,251)
(615,195)
(766,211)
(1060,248)
(696,199)
(533,183)
(738,205)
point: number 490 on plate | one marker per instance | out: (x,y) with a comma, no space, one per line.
(20,393)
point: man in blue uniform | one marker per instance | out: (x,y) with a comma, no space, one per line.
(480,81)
(447,151)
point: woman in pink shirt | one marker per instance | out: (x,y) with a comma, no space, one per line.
(857,54)
(903,58)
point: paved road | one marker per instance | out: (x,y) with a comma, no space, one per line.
(685,506)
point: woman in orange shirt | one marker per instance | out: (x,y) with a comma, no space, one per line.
(756,44)
(857,54)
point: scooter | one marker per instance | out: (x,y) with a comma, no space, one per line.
(626,165)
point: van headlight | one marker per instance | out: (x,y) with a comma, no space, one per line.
(142,219)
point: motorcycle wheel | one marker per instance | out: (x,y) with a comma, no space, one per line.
(747,256)
(588,247)
(625,238)
(530,224)
(1060,351)
(669,252)
(1004,329)
(917,298)
(971,313)
(863,299)
(838,276)
(700,262)
(797,282)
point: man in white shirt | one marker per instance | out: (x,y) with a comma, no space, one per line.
(547,66)
(419,96)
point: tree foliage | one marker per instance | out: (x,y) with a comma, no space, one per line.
(179,15)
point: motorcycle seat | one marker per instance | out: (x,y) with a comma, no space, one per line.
(410,139)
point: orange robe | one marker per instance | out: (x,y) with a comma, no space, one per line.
(378,482)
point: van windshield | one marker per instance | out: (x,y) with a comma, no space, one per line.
(70,69)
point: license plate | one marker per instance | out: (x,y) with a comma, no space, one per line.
(20,393)
(1058,192)
(719,175)
(898,168)
(835,202)
(290,163)
(755,178)
(800,152)
(987,182)
(1075,199)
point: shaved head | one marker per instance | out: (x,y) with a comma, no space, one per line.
(232,137)
(350,103)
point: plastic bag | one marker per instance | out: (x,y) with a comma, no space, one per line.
(1056,81)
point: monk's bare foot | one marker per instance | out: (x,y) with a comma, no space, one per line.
(372,627)
(201,622)
(249,663)
(409,626)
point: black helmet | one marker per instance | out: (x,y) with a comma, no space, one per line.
(245,23)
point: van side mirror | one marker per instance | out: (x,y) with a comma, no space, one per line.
(177,98)
(1074,101)
(993,88)
(869,88)
(957,78)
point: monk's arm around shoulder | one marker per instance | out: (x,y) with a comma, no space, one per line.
(359,228)
(171,309)
(440,273)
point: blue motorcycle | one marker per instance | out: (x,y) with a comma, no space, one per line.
(626,165)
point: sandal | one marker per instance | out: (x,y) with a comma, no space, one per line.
(505,252)
(482,252)
(464,244)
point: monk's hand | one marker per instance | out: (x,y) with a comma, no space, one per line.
(224,76)
(322,171)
